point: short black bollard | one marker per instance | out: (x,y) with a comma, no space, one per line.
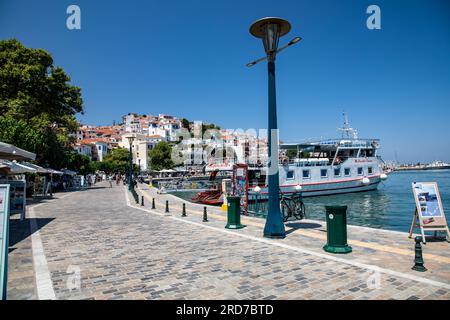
(183,213)
(418,259)
(153,204)
(167,206)
(205,215)
(142,201)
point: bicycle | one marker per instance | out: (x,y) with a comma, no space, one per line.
(292,206)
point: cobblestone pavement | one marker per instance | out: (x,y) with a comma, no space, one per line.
(127,252)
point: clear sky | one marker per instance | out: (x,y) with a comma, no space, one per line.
(187,58)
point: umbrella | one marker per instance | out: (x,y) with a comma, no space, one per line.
(10,152)
(69,172)
(53,171)
(17,168)
(36,167)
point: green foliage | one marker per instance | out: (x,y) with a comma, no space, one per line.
(160,156)
(116,161)
(208,127)
(37,104)
(79,163)
(185,124)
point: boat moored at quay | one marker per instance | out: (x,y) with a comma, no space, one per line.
(316,168)
(326,167)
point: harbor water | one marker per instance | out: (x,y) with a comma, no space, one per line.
(391,207)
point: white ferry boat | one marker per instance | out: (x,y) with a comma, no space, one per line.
(326,167)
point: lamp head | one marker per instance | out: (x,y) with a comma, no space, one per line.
(270,30)
(257,189)
(298,188)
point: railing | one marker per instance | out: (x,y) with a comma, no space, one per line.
(187,185)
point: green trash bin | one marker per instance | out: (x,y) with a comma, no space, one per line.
(337,230)
(234,213)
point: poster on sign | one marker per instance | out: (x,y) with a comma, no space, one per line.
(429,212)
(240,185)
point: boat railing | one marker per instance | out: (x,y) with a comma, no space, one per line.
(306,162)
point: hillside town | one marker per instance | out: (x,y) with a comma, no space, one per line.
(146,131)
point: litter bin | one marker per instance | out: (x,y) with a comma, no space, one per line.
(337,230)
(234,213)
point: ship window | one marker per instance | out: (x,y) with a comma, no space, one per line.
(370,170)
(290,175)
(347,172)
(360,171)
(306,174)
(337,172)
(323,173)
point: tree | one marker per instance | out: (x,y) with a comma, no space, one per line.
(118,160)
(209,126)
(37,103)
(160,156)
(79,163)
(186,124)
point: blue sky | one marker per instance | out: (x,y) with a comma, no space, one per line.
(187,58)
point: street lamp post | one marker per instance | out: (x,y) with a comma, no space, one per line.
(270,30)
(130,173)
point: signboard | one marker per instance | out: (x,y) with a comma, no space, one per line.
(429,213)
(4,238)
(240,184)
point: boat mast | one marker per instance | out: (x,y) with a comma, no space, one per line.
(347,131)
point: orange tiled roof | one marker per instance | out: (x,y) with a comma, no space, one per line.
(93,140)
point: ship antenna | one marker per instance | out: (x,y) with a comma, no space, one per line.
(347,131)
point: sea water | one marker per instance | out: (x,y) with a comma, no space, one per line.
(390,207)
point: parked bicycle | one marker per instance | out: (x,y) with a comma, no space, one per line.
(292,206)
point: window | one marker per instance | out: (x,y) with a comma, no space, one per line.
(360,171)
(306,174)
(337,172)
(323,173)
(347,172)
(370,170)
(290,175)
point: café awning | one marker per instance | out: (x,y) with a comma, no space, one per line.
(10,152)
(69,172)
(17,168)
(36,167)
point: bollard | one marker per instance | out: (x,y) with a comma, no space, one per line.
(205,215)
(153,203)
(418,258)
(142,200)
(183,213)
(234,213)
(167,206)
(337,230)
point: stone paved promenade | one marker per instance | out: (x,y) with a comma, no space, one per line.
(124,251)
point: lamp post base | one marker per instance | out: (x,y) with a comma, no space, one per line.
(275,236)
(337,249)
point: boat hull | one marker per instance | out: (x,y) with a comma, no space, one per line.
(327,188)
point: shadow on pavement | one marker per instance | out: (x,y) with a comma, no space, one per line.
(20,230)
(301,225)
